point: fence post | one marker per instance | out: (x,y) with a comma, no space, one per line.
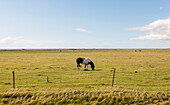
(13,79)
(113,77)
(47,79)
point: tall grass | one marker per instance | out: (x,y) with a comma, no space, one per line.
(70,96)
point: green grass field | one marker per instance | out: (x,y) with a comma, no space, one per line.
(142,77)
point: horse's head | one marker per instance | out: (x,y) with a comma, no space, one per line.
(92,65)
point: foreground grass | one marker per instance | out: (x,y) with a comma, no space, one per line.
(95,96)
(142,77)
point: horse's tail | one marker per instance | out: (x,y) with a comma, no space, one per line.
(92,65)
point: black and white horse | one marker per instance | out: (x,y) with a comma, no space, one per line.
(85,61)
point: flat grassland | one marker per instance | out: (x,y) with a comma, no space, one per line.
(142,76)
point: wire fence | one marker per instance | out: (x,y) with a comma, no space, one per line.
(79,79)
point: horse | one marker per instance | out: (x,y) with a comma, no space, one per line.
(85,61)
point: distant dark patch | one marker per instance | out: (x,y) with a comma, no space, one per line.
(97,70)
(7,83)
(40,75)
(86,70)
(33,86)
(166,78)
(51,67)
(136,71)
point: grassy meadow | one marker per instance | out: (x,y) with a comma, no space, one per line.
(142,77)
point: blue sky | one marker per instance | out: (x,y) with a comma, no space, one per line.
(84,24)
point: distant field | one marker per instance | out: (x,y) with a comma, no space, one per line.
(142,76)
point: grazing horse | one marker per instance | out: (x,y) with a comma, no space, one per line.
(85,61)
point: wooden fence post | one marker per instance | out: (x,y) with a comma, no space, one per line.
(47,79)
(13,79)
(113,77)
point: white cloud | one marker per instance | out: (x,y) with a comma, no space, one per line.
(21,42)
(81,30)
(9,39)
(153,37)
(157,30)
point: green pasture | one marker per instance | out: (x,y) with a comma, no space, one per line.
(136,70)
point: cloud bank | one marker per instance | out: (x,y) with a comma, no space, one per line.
(17,42)
(157,30)
(21,42)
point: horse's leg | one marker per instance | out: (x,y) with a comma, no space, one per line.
(87,66)
(78,65)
